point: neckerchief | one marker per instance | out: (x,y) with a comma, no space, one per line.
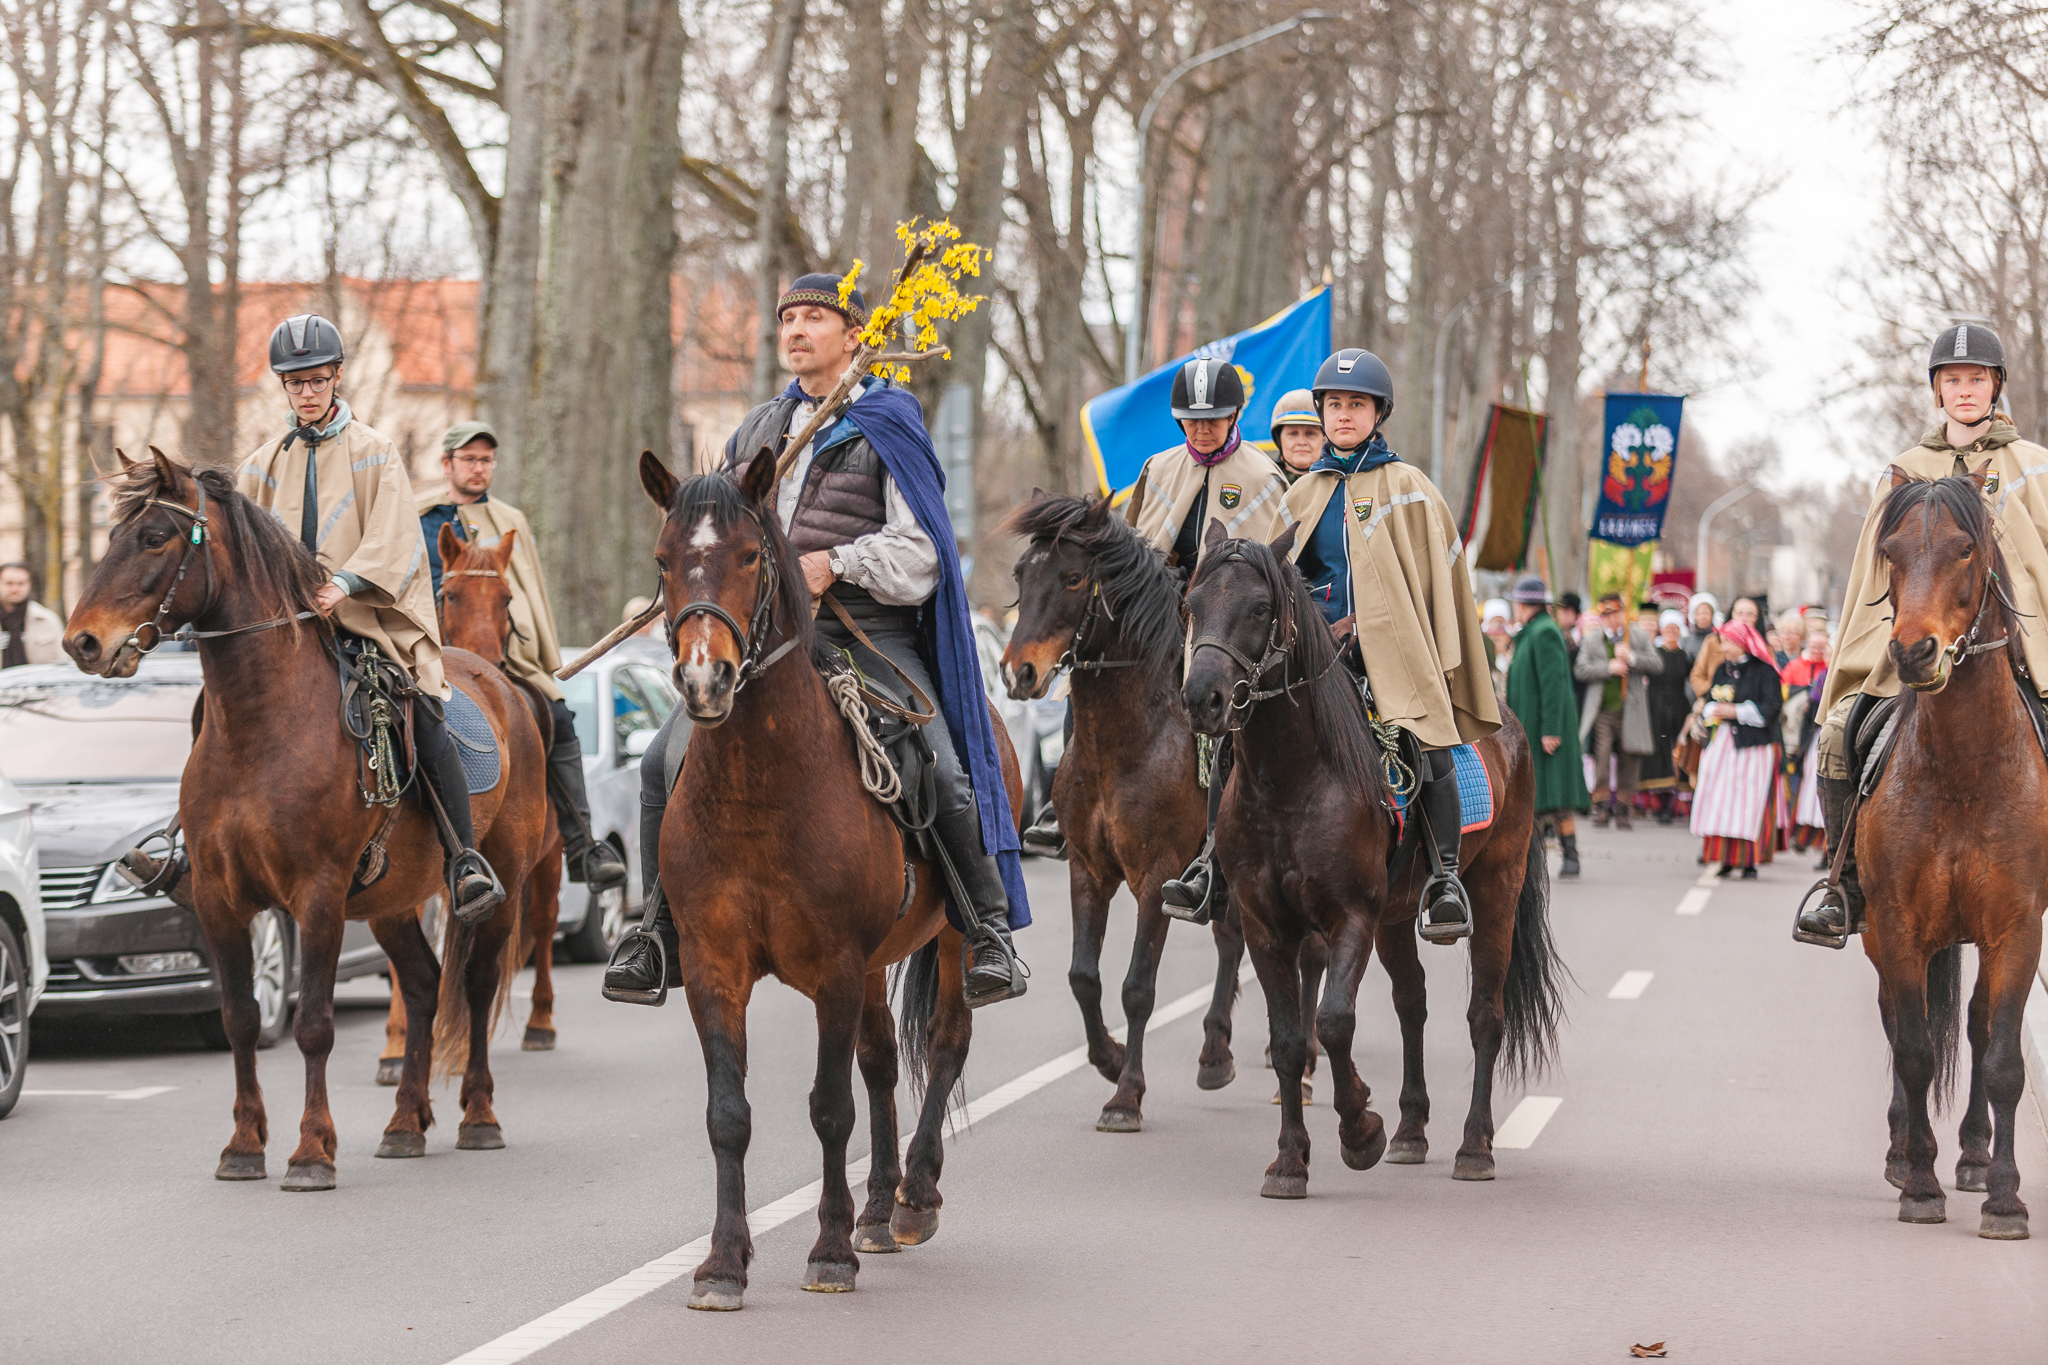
(1221,453)
(1997,434)
(1371,455)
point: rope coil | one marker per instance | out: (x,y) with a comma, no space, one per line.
(877,773)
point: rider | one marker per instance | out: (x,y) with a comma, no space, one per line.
(469,459)
(1966,369)
(1297,434)
(1381,553)
(862,508)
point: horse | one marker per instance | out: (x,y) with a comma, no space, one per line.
(1094,598)
(476,615)
(271,810)
(1950,846)
(778,861)
(1306,835)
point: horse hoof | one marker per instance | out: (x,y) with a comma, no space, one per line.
(403,1144)
(479,1137)
(1403,1151)
(305,1176)
(1366,1157)
(1215,1076)
(717,1296)
(2004,1227)
(1927,1209)
(1119,1121)
(1476,1166)
(830,1277)
(389,1069)
(538,1040)
(913,1227)
(1970,1177)
(1284,1187)
(875,1239)
(1895,1174)
(240,1166)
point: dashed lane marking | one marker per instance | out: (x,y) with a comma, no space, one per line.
(548,1328)
(1711,877)
(1526,1122)
(1631,986)
(1695,900)
(141,1092)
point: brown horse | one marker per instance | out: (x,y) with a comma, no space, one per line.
(1951,847)
(272,810)
(1094,598)
(778,862)
(1306,835)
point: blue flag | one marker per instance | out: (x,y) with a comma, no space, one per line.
(1637,457)
(1126,426)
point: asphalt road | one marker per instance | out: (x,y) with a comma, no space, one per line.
(1710,1176)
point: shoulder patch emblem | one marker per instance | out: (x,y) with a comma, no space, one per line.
(1990,483)
(1231,493)
(1363,507)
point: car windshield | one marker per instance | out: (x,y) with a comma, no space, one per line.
(94,730)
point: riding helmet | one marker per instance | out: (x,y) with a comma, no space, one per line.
(1296,408)
(1353,370)
(1207,387)
(301,342)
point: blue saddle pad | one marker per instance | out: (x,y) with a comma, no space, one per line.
(475,742)
(1475,792)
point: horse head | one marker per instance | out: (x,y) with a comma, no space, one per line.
(476,596)
(1246,618)
(1059,593)
(1946,575)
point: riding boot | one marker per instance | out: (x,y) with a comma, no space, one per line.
(169,876)
(1829,921)
(1193,896)
(473,888)
(989,964)
(643,969)
(1043,835)
(1568,844)
(1446,912)
(590,860)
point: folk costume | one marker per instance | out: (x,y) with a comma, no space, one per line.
(1540,693)
(869,492)
(1614,714)
(1739,812)
(532,652)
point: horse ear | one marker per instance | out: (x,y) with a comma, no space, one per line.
(758,479)
(655,478)
(450,545)
(1215,535)
(1976,476)
(126,463)
(1283,544)
(166,470)
(1097,513)
(503,549)
(1036,493)
(1900,478)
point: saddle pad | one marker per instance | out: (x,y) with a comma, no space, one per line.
(1475,791)
(474,741)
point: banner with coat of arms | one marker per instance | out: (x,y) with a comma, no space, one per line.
(1638,454)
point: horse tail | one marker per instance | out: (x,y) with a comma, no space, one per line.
(452,1013)
(1533,996)
(1945,1019)
(917,982)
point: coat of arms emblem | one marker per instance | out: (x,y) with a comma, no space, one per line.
(1230,494)
(1363,507)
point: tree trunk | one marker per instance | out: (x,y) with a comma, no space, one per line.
(774,201)
(508,311)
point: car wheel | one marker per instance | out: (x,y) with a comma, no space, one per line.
(603,924)
(270,944)
(13,1018)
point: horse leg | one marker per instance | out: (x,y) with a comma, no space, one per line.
(719,1008)
(1895,1112)
(832,1264)
(1361,1134)
(1493,944)
(543,913)
(1215,1067)
(916,1216)
(417,978)
(1278,964)
(479,1130)
(312,1164)
(1141,985)
(235,959)
(1315,962)
(2010,966)
(1396,942)
(1084,976)
(1975,1135)
(1920,1199)
(391,1061)
(876,1052)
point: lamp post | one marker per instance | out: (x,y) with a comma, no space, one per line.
(1134,331)
(1443,341)
(1714,509)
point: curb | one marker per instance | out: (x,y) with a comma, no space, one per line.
(2034,1043)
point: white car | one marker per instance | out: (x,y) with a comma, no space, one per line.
(23,969)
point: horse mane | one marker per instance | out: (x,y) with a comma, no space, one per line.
(1139,592)
(1321,683)
(1962,499)
(719,497)
(273,560)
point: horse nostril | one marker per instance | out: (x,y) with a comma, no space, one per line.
(86,646)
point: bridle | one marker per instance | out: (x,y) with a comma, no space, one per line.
(197,540)
(753,637)
(1246,693)
(1098,606)
(512,630)
(1967,645)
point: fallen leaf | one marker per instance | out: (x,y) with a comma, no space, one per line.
(1654,1351)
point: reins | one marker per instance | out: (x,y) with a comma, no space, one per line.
(1246,693)
(198,539)
(1098,606)
(752,637)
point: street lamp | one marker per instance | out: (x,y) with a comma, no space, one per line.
(1134,332)
(1715,509)
(1443,341)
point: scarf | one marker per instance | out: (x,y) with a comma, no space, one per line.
(342,417)
(1371,455)
(1221,453)
(1745,637)
(1999,433)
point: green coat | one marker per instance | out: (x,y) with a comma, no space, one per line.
(1541,696)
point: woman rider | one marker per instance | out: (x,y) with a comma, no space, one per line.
(1966,370)
(1297,434)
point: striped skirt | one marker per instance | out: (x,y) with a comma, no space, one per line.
(1740,810)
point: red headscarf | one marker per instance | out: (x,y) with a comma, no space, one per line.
(1745,637)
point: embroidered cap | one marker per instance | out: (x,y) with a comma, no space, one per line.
(823,291)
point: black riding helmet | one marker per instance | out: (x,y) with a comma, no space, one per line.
(1355,370)
(1207,387)
(301,342)
(1967,343)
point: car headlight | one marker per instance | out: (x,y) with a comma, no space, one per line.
(112,886)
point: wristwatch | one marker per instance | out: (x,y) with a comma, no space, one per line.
(837,564)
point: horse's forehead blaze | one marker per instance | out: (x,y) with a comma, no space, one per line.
(704,535)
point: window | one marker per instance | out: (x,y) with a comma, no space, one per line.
(580,692)
(631,712)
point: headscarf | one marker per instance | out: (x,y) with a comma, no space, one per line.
(1670,616)
(1744,637)
(1495,606)
(1692,607)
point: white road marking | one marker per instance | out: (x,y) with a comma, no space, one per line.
(1526,1122)
(141,1092)
(1711,877)
(1695,900)
(549,1328)
(1631,986)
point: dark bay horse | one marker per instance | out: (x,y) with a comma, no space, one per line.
(1951,845)
(1094,597)
(1305,836)
(273,814)
(779,863)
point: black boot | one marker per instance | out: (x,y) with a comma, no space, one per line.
(168,874)
(1043,836)
(590,860)
(1446,912)
(1193,897)
(1568,844)
(645,964)
(473,888)
(1827,921)
(989,964)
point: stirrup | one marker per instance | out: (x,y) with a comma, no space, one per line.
(1045,840)
(626,995)
(1818,939)
(468,863)
(1184,910)
(1441,888)
(992,995)
(171,867)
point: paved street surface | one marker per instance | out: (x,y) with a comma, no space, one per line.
(1709,1176)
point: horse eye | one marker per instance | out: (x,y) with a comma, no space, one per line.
(1968,550)
(1073,580)
(1261,609)
(753,557)
(155,540)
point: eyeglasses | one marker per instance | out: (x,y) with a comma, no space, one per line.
(319,385)
(475,461)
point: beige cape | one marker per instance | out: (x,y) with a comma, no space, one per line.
(1418,626)
(533,653)
(368,526)
(1246,491)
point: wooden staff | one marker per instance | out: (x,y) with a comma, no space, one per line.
(604,646)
